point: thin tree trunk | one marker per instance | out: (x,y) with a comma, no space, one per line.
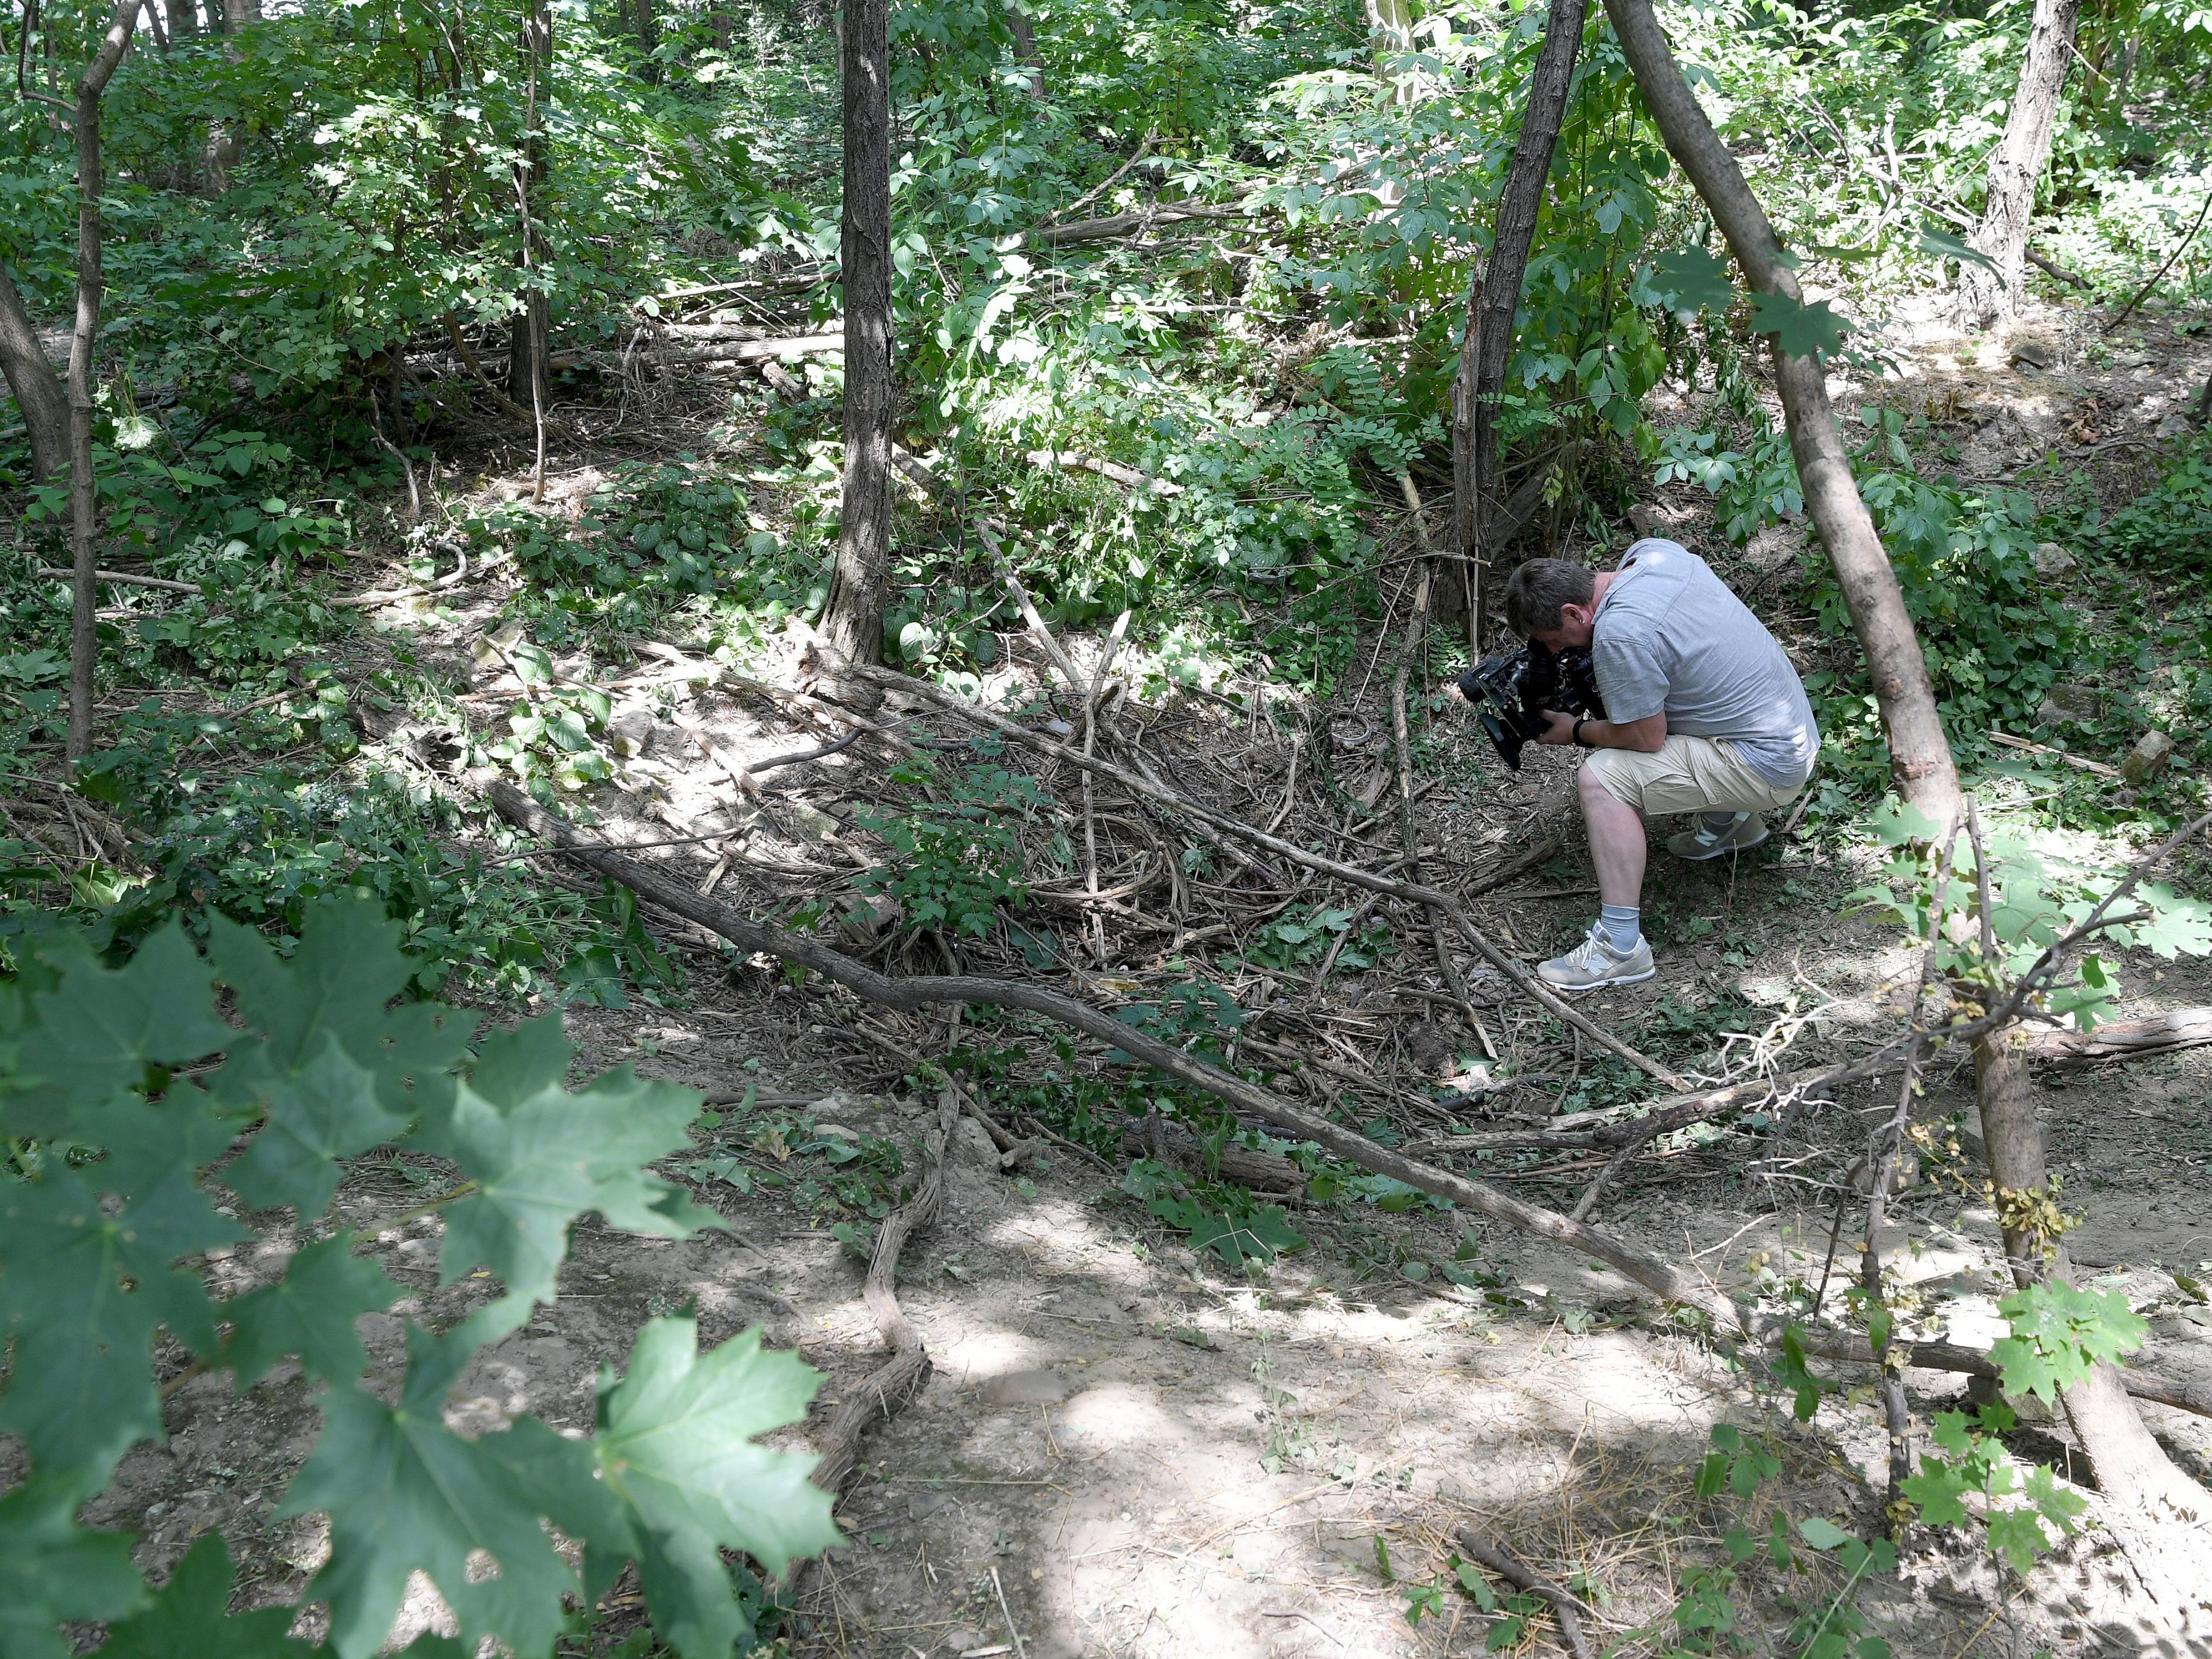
(529,336)
(1920,766)
(38,389)
(84,496)
(161,34)
(1496,298)
(1987,296)
(183,20)
(648,39)
(1025,49)
(1390,33)
(854,620)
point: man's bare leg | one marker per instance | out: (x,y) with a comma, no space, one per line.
(1616,840)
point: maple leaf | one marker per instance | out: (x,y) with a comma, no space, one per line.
(1691,280)
(309,1312)
(405,1493)
(337,986)
(1937,1489)
(52,1569)
(329,1111)
(190,1616)
(82,1292)
(93,1036)
(1799,330)
(539,1156)
(676,1444)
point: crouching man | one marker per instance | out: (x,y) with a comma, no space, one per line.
(1707,717)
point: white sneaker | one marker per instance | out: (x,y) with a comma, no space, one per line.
(1594,964)
(1739,833)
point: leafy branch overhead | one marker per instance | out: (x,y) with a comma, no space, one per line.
(100,1248)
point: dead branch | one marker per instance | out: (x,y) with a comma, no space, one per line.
(2125,1039)
(1409,892)
(891,1386)
(1566,1608)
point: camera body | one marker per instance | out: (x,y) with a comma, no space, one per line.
(1511,690)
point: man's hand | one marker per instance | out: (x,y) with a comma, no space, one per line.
(1559,728)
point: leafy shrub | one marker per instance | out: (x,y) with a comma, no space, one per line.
(956,856)
(2168,528)
(115,1188)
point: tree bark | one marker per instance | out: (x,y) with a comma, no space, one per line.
(237,13)
(648,39)
(1987,296)
(84,494)
(1920,766)
(855,620)
(1390,33)
(1495,298)
(1919,754)
(38,389)
(183,20)
(1026,48)
(529,336)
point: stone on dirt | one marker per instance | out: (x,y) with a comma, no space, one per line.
(2148,758)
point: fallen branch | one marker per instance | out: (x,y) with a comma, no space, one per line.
(129,579)
(2127,1039)
(2010,742)
(2074,278)
(891,1386)
(1121,224)
(1664,1279)
(749,351)
(1565,1606)
(1127,476)
(1407,892)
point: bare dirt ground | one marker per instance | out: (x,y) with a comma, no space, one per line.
(1128,1448)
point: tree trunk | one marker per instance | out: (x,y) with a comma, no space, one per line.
(1921,767)
(529,337)
(1919,754)
(1496,296)
(183,20)
(38,389)
(854,620)
(1390,33)
(237,13)
(1025,50)
(1987,296)
(648,39)
(84,496)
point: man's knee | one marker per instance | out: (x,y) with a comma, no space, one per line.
(1600,781)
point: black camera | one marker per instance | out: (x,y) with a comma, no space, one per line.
(1511,690)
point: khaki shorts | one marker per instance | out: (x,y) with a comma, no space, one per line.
(1688,774)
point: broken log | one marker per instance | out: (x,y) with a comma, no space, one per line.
(2122,1039)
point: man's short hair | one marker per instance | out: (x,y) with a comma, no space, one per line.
(1536,590)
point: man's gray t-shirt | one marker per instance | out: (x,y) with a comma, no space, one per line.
(1670,636)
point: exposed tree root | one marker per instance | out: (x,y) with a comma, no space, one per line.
(892,1386)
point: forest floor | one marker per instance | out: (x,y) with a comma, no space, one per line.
(1129,1448)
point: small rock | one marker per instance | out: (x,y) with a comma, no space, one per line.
(869,919)
(2068,705)
(2032,354)
(630,729)
(2051,560)
(1775,547)
(811,822)
(2148,758)
(1024,1388)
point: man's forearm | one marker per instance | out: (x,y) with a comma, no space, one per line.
(1643,736)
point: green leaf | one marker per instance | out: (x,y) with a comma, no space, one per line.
(404,1493)
(309,1312)
(2059,1335)
(1799,330)
(95,1034)
(1942,245)
(677,1445)
(540,1157)
(328,1111)
(1937,1489)
(1794,1374)
(2017,1535)
(82,1292)
(347,970)
(53,1570)
(1821,1535)
(1691,280)
(189,1617)
(2060,1506)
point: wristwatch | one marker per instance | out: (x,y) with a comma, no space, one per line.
(1579,724)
